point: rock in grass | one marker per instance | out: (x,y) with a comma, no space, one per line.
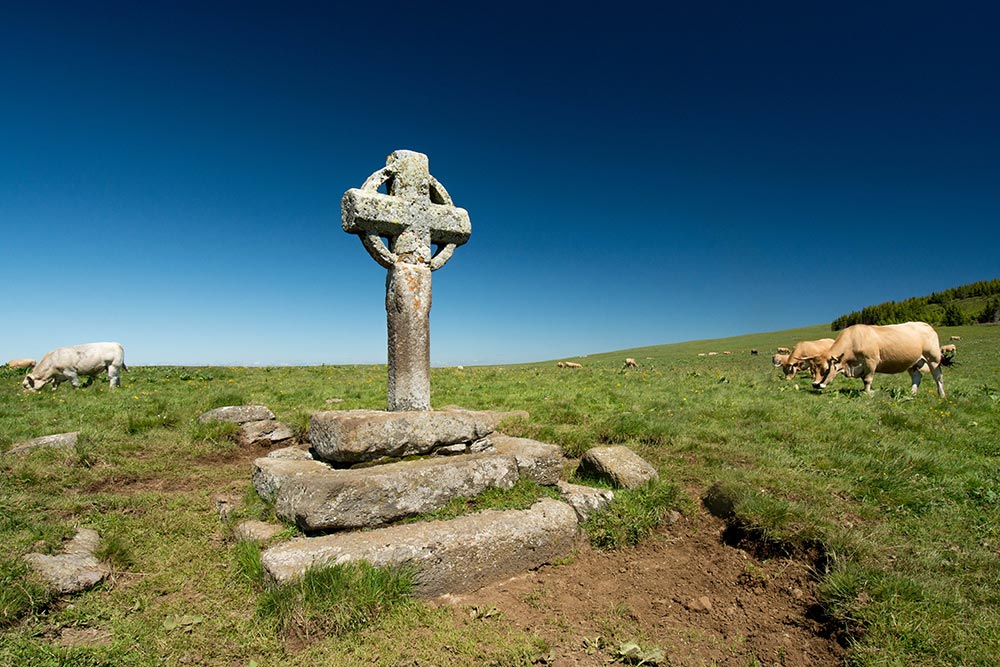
(57,441)
(586,500)
(252,530)
(618,465)
(237,414)
(536,460)
(264,433)
(74,570)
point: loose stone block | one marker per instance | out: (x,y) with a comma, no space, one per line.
(536,460)
(586,500)
(354,436)
(619,465)
(454,556)
(264,433)
(57,441)
(291,452)
(74,570)
(316,497)
(237,414)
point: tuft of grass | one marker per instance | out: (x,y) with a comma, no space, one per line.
(116,552)
(337,600)
(246,563)
(20,594)
(632,515)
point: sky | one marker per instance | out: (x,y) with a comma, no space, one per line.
(636,173)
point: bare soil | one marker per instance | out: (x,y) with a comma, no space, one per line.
(684,591)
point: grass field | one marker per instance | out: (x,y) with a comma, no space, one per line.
(892,497)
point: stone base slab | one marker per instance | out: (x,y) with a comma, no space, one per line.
(355,436)
(454,556)
(316,497)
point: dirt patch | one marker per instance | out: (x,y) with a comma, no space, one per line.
(683,591)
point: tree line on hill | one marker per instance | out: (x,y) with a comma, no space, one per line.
(940,308)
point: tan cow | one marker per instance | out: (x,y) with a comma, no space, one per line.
(20,363)
(630,363)
(572,364)
(862,350)
(783,350)
(780,359)
(808,355)
(956,338)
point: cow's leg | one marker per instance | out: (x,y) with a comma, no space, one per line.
(915,376)
(868,383)
(938,378)
(113,379)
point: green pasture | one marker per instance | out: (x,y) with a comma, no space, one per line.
(893,499)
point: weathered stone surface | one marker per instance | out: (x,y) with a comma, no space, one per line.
(226,504)
(586,500)
(408,312)
(492,417)
(353,436)
(264,433)
(237,414)
(74,570)
(317,497)
(536,460)
(300,452)
(416,214)
(619,465)
(252,530)
(454,556)
(58,441)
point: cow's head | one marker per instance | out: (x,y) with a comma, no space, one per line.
(791,367)
(824,372)
(32,383)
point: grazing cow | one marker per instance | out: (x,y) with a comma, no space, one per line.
(572,364)
(20,363)
(780,360)
(956,338)
(727,352)
(712,354)
(783,350)
(808,355)
(69,363)
(630,363)
(753,352)
(862,350)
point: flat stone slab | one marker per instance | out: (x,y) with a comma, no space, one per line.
(317,497)
(536,460)
(74,570)
(58,441)
(619,465)
(354,436)
(237,414)
(264,433)
(454,556)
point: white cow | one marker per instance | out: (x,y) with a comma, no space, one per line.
(69,363)
(862,350)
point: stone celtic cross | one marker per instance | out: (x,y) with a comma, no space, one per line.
(411,231)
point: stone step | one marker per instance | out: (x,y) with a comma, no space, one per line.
(354,436)
(454,556)
(317,497)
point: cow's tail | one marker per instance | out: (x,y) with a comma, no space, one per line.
(124,367)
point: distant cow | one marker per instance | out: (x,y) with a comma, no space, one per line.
(572,364)
(20,363)
(783,350)
(69,363)
(630,363)
(956,338)
(862,350)
(727,352)
(753,352)
(808,355)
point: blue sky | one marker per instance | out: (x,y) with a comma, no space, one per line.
(636,174)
